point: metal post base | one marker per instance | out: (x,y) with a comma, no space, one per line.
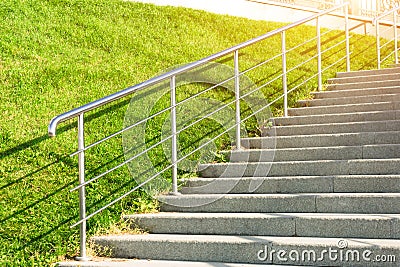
(78,258)
(174,194)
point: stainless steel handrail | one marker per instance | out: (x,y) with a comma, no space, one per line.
(113,97)
(170,76)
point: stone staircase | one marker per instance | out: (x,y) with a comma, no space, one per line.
(327,190)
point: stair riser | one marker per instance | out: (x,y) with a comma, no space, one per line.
(346,139)
(363,85)
(349,100)
(338,118)
(393,70)
(294,185)
(301,203)
(334,128)
(385,106)
(363,79)
(299,168)
(271,225)
(355,92)
(321,153)
(248,250)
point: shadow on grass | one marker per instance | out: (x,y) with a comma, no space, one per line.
(44,229)
(65,128)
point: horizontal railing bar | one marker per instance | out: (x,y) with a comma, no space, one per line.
(390,54)
(299,45)
(205,91)
(119,198)
(334,63)
(333,46)
(385,44)
(105,100)
(120,165)
(263,85)
(119,132)
(329,31)
(386,30)
(261,63)
(266,106)
(302,63)
(297,86)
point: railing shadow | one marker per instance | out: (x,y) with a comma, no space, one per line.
(31,211)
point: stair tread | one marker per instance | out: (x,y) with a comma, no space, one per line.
(320,135)
(368,99)
(362,85)
(169,238)
(306,161)
(115,262)
(289,215)
(350,176)
(350,105)
(368,72)
(256,195)
(308,148)
(341,92)
(338,114)
(385,75)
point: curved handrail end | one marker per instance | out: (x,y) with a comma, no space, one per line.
(53,126)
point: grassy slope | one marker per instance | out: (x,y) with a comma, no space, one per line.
(59,54)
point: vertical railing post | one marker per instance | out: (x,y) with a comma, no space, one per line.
(378,45)
(82,197)
(174,148)
(284,74)
(346,22)
(319,55)
(237,98)
(396,60)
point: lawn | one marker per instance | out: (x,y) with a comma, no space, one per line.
(59,54)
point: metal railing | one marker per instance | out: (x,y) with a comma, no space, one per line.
(370,8)
(171,76)
(392,14)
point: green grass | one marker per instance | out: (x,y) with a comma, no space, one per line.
(56,55)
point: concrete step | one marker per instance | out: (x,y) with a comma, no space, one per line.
(326,128)
(364,85)
(252,249)
(349,100)
(338,117)
(323,140)
(119,262)
(381,151)
(368,72)
(294,184)
(366,78)
(340,109)
(366,203)
(385,226)
(300,168)
(356,92)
